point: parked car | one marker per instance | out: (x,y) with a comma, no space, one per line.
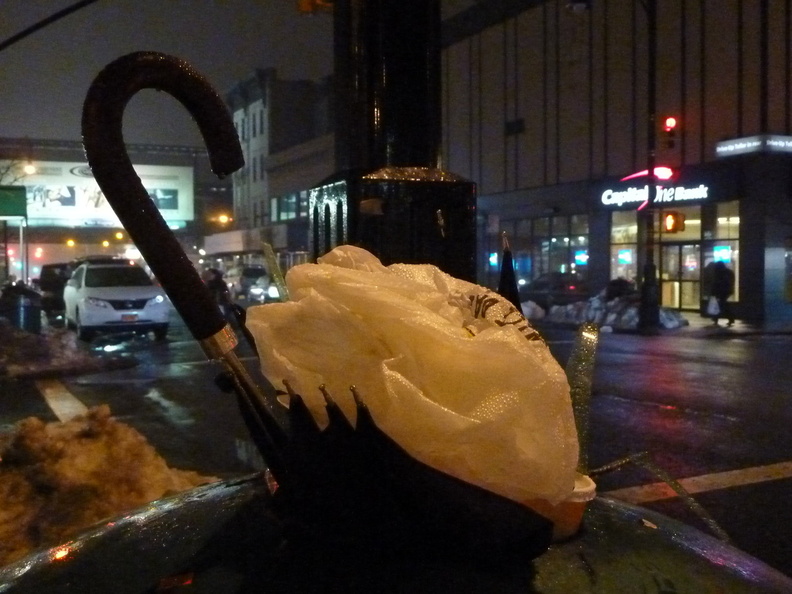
(114,296)
(555,288)
(51,282)
(53,277)
(242,279)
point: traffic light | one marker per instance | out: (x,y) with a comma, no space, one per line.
(673,221)
(309,6)
(670,129)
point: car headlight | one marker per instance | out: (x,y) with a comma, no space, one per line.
(272,292)
(94,302)
(157,299)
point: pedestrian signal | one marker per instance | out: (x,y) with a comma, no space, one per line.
(673,221)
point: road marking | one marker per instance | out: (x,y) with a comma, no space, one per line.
(62,402)
(704,483)
(66,406)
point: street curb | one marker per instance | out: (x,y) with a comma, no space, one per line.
(691,330)
(50,371)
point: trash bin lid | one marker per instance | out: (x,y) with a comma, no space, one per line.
(224,537)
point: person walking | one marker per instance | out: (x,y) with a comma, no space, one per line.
(722,289)
(213,278)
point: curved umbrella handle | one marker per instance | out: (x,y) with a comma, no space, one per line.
(103,140)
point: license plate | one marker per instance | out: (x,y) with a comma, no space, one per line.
(129,318)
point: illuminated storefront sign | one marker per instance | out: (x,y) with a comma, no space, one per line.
(638,195)
(63,194)
(762,143)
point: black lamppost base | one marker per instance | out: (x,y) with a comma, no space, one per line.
(649,308)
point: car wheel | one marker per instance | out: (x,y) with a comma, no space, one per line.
(82,332)
(161,333)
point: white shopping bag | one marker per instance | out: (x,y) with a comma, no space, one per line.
(449,370)
(713,309)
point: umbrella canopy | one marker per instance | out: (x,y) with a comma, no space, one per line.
(507,286)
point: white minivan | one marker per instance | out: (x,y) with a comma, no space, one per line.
(115,296)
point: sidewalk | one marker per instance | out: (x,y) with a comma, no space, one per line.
(697,327)
(702,327)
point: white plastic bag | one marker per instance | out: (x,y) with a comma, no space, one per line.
(713,309)
(448,369)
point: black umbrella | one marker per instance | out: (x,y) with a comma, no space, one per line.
(507,286)
(340,488)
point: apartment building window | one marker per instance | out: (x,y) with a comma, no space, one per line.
(302,206)
(261,121)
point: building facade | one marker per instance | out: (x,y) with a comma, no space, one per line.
(284,129)
(551,111)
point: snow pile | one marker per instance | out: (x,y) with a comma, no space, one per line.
(54,351)
(620,313)
(57,479)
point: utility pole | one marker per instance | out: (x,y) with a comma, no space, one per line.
(649,310)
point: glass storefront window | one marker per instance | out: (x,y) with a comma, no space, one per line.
(558,255)
(560,226)
(624,248)
(624,227)
(578,225)
(624,261)
(727,224)
(727,251)
(557,244)
(522,229)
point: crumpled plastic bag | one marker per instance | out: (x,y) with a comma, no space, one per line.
(448,369)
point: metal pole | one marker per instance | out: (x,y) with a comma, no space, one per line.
(5,248)
(649,311)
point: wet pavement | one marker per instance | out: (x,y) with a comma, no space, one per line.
(700,399)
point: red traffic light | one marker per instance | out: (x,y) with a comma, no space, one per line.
(673,221)
(670,128)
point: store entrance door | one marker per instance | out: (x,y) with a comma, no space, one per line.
(680,276)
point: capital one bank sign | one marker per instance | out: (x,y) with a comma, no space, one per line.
(676,195)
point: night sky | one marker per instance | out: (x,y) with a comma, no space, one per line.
(44,77)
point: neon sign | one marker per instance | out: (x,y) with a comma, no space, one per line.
(638,195)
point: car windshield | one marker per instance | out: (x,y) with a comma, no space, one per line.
(116,276)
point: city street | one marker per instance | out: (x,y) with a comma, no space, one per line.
(709,406)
